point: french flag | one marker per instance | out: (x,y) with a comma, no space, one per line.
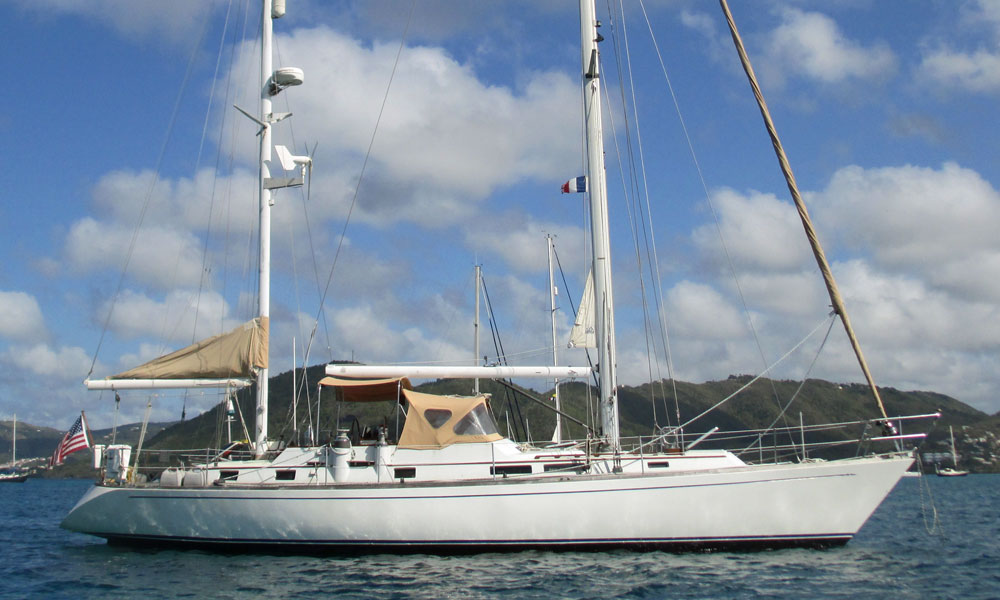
(575,185)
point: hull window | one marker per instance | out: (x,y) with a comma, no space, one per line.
(510,470)
(404,473)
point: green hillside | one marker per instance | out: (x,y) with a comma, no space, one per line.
(642,409)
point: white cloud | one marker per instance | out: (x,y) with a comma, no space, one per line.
(168,248)
(162,257)
(187,203)
(700,22)
(717,44)
(903,312)
(519,240)
(793,294)
(700,310)
(916,259)
(945,68)
(810,44)
(63,363)
(446,140)
(172,319)
(372,338)
(20,317)
(977,71)
(761,232)
(939,224)
(135,19)
(438,327)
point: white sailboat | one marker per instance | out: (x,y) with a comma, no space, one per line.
(12,475)
(951,471)
(450,482)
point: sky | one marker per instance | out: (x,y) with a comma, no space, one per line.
(120,133)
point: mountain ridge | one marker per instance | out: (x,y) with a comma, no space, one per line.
(640,407)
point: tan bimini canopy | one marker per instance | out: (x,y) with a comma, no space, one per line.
(367,390)
(233,354)
(433,422)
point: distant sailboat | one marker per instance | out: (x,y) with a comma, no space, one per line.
(12,475)
(952,471)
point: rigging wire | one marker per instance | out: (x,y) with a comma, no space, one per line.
(211,204)
(632,196)
(586,351)
(590,362)
(652,256)
(361,174)
(832,319)
(306,197)
(708,197)
(148,196)
(354,199)
(754,379)
(501,356)
(302,385)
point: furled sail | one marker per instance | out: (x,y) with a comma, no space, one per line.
(224,357)
(583,334)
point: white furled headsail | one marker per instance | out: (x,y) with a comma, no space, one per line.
(583,334)
(224,357)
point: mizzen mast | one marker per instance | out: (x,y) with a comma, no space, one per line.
(272,82)
(264,259)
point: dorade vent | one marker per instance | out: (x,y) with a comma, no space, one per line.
(286,475)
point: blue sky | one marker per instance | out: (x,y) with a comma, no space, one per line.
(887,111)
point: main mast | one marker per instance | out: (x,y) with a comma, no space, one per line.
(264,295)
(597,188)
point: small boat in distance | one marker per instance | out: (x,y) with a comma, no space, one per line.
(951,471)
(11,474)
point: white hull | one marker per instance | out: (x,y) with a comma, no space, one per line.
(949,472)
(813,504)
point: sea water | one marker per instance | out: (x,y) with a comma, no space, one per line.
(932,538)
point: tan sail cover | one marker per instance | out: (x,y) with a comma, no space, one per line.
(233,354)
(367,390)
(433,422)
(584,330)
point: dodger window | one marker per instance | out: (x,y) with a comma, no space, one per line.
(477,422)
(437,417)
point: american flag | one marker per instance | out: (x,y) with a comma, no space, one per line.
(74,440)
